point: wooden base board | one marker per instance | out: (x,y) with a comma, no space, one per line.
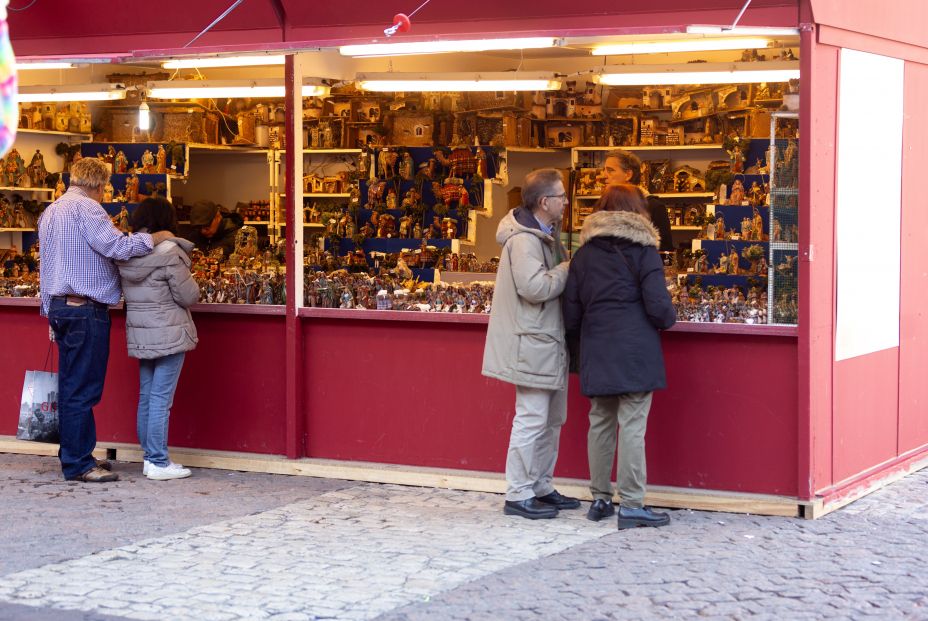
(843,495)
(467,480)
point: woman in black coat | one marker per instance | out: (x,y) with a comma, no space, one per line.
(616,302)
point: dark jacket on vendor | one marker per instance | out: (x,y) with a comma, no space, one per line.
(208,217)
(616,299)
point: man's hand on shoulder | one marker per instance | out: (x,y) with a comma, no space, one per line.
(160,236)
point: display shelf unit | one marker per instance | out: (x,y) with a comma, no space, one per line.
(49,132)
(17,230)
(783,263)
(21,189)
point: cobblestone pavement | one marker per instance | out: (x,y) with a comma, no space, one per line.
(233,546)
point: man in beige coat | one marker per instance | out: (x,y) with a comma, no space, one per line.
(525,343)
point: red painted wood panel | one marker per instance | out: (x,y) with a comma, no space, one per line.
(817,278)
(902,20)
(75,28)
(230,394)
(866,402)
(413,394)
(913,345)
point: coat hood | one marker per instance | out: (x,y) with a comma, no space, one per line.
(519,220)
(622,224)
(174,250)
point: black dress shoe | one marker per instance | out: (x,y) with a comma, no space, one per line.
(600,509)
(630,518)
(556,499)
(530,508)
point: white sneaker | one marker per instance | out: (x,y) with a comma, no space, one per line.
(145,465)
(165,473)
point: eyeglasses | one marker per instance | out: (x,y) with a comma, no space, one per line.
(560,196)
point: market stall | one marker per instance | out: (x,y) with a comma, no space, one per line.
(301,360)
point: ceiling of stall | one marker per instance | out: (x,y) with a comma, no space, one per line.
(95,27)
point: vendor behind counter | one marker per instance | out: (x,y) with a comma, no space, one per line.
(213,227)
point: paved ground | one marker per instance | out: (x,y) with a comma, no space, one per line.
(230,546)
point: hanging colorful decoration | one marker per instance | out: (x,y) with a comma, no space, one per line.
(9,114)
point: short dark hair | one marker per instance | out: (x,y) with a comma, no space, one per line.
(629,163)
(538,184)
(624,197)
(154,214)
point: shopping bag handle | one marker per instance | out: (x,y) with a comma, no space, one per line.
(49,357)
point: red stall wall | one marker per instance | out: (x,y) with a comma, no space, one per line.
(872,409)
(229,397)
(412,393)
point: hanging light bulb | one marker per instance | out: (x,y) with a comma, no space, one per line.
(144,117)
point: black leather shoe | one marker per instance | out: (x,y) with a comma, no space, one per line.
(556,499)
(600,509)
(630,518)
(530,508)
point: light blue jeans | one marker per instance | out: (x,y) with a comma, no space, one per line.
(157,383)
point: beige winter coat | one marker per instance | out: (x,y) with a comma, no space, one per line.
(158,289)
(525,338)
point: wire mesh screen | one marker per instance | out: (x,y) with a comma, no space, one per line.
(783,277)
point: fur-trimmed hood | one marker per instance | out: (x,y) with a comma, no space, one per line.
(623,224)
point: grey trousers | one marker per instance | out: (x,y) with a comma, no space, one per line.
(533,443)
(628,412)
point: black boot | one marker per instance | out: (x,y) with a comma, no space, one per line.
(559,500)
(530,508)
(645,516)
(600,509)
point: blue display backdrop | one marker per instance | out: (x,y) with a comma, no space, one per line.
(422,156)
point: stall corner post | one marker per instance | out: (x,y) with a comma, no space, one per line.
(295,430)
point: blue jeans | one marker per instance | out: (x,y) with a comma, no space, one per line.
(83,337)
(157,383)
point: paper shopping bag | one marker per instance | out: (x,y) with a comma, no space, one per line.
(38,410)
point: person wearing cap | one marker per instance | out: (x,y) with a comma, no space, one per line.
(213,227)
(79,282)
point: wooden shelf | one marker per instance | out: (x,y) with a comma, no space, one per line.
(54,133)
(677,147)
(17,230)
(685,195)
(225,148)
(333,151)
(686,228)
(12,189)
(258,222)
(326,194)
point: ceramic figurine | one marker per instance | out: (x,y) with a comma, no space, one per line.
(132,189)
(59,188)
(417,231)
(407,167)
(733,261)
(14,168)
(121,163)
(37,170)
(148,162)
(107,193)
(737,193)
(404,226)
(391,199)
(720,227)
(757,225)
(449,228)
(162,159)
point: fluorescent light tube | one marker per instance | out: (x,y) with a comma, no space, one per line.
(498,81)
(72,92)
(681,45)
(743,31)
(439,47)
(224,61)
(700,73)
(144,117)
(27,66)
(217,89)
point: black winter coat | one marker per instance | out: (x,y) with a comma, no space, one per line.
(616,300)
(661,222)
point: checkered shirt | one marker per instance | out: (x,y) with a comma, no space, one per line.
(78,244)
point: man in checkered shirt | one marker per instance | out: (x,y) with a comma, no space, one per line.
(79,281)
